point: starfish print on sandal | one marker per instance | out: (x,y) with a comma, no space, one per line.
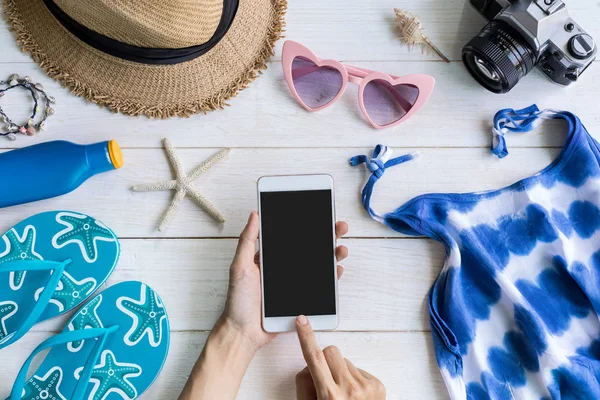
(45,259)
(112,376)
(69,291)
(103,366)
(85,318)
(148,315)
(83,231)
(7,310)
(19,247)
(45,388)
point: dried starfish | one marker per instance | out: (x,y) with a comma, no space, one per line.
(183,185)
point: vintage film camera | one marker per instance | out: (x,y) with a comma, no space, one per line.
(525,33)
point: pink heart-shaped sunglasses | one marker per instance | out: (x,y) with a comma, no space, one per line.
(385,100)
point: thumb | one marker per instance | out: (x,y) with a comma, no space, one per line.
(247,243)
(305,387)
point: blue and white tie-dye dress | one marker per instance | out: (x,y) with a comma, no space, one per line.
(514,312)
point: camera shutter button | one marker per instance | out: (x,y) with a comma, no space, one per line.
(582,46)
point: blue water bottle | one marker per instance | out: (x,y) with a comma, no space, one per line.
(52,169)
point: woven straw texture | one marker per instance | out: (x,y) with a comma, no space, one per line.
(166,24)
(158,91)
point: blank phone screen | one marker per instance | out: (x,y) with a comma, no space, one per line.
(298,253)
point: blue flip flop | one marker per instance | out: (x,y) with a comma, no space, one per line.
(51,263)
(113,348)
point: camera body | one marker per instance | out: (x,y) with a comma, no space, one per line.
(526,33)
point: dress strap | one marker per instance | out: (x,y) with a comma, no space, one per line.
(524,120)
(382,159)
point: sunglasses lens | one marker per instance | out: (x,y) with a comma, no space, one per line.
(386,103)
(315,85)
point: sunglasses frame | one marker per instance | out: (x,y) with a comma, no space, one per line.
(360,76)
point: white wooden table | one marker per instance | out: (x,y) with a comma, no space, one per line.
(384,322)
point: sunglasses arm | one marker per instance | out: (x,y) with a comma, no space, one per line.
(402,102)
(363,72)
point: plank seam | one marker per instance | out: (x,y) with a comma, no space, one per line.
(210,330)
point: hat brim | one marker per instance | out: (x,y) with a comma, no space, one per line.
(158,91)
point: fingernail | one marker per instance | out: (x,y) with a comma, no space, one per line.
(250,217)
(302,320)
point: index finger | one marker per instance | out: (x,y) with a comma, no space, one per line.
(315,359)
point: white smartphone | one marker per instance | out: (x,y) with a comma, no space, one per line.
(297,251)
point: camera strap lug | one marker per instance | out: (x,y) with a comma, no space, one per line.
(572,75)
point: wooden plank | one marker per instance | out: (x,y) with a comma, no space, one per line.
(459,114)
(10,53)
(384,286)
(404,362)
(366,30)
(108,196)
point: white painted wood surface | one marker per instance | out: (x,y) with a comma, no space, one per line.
(384,324)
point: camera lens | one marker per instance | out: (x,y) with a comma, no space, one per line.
(487,70)
(498,57)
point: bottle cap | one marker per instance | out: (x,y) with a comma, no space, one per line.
(116,156)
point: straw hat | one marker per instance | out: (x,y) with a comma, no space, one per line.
(161,58)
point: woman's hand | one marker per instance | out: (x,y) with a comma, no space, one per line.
(329,376)
(243,306)
(238,334)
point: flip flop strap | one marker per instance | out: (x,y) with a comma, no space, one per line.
(101,334)
(56,269)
